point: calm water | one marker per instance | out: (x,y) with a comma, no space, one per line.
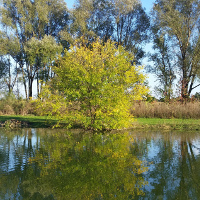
(50,164)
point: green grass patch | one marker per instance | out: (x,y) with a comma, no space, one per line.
(174,124)
(32,121)
(140,123)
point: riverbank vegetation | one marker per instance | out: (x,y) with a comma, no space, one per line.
(10,105)
(147,115)
(19,121)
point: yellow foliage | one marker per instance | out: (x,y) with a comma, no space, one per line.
(102,81)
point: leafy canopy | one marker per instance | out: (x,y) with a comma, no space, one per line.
(98,82)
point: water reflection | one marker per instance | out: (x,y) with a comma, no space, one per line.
(50,164)
(39,164)
(175,172)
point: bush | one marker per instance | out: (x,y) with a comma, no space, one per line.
(97,82)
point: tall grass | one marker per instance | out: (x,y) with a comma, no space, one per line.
(167,110)
(10,105)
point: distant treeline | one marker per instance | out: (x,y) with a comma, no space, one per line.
(34,34)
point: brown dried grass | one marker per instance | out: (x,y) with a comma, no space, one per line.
(166,110)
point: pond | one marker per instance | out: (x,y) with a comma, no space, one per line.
(56,164)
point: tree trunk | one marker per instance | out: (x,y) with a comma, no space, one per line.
(184,88)
(38,87)
(24,81)
(30,88)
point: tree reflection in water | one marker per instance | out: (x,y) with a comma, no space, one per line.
(175,172)
(73,166)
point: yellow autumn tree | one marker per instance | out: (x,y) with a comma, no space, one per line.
(98,83)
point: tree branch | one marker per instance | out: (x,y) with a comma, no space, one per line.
(196,86)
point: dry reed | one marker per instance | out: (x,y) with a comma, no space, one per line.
(166,110)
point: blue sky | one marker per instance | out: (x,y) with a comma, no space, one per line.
(145,3)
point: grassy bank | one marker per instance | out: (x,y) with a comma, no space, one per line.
(167,124)
(140,123)
(29,121)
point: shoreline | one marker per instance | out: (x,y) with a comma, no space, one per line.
(18,121)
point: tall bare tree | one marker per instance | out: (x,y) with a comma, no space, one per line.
(180,21)
(164,63)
